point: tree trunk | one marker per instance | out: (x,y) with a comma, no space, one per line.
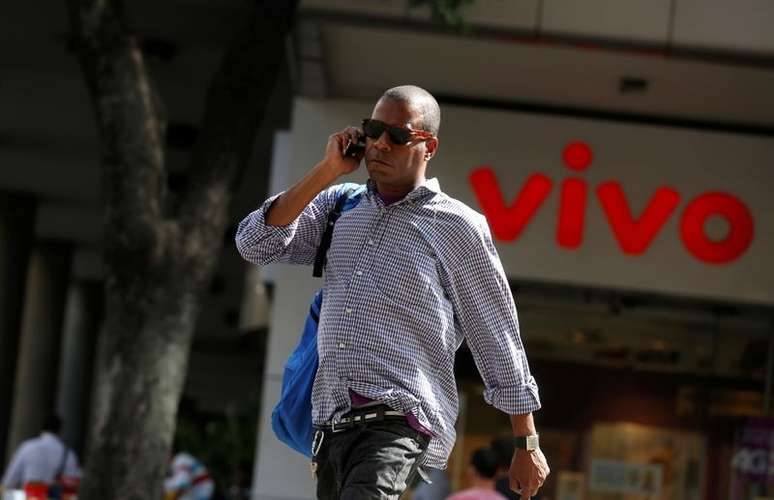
(157,262)
(142,364)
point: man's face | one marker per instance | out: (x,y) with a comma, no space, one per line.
(391,164)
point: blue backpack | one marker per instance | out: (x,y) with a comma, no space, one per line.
(291,418)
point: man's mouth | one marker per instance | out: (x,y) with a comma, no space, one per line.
(380,161)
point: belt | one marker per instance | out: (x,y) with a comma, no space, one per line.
(360,417)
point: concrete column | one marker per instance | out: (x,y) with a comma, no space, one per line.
(17,225)
(275,475)
(40,343)
(83,317)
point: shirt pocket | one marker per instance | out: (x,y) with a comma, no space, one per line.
(407,276)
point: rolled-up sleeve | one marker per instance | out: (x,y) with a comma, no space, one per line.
(294,243)
(486,313)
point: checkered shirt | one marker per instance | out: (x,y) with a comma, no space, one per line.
(404,285)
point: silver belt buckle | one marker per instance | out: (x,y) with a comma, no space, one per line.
(340,429)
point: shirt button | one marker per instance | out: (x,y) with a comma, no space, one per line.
(370,242)
(342,345)
(348,310)
(359,273)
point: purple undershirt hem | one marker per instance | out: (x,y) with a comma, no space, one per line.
(358,400)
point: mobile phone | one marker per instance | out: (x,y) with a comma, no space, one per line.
(353,149)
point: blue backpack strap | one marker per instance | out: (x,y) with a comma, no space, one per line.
(349,197)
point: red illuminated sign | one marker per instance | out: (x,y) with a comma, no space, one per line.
(633,234)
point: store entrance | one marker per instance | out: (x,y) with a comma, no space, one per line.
(644,397)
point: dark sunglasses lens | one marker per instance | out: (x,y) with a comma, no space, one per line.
(400,135)
(373,129)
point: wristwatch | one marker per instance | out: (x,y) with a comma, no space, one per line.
(529,443)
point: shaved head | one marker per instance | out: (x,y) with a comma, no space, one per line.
(420,100)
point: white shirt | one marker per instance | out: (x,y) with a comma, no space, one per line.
(38,460)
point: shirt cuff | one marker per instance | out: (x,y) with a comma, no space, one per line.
(514,400)
(283,233)
(259,242)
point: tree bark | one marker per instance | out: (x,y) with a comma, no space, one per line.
(157,261)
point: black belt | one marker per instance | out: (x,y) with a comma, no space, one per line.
(360,416)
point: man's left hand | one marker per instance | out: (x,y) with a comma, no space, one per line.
(528,472)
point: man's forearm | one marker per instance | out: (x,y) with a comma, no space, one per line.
(289,206)
(523,425)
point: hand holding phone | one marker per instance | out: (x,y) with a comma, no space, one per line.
(344,151)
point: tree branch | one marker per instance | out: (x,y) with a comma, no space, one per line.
(130,124)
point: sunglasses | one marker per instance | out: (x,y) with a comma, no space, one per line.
(399,136)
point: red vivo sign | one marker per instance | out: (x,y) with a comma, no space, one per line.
(634,234)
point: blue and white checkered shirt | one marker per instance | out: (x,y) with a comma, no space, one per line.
(404,284)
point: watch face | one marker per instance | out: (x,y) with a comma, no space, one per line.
(529,443)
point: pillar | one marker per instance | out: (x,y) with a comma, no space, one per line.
(83,317)
(17,227)
(40,343)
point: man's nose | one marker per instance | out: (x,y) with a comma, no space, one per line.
(383,143)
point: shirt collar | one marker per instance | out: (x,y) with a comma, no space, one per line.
(430,187)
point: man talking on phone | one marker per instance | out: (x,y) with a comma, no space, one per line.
(410,273)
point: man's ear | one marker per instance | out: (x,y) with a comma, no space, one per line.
(431,147)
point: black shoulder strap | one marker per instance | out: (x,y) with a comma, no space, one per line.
(65,452)
(325,243)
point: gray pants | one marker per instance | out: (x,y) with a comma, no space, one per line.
(376,460)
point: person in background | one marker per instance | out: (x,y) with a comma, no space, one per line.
(503,448)
(189,479)
(43,460)
(481,472)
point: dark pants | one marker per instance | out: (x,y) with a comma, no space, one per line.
(376,460)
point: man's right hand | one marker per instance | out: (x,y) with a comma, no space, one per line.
(289,206)
(334,152)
